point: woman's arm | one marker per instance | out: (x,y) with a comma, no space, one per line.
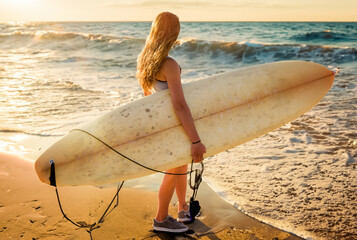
(171,70)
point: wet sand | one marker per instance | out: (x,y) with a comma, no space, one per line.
(29,210)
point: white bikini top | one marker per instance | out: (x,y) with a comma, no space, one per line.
(160,85)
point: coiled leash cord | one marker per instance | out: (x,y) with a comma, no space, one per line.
(194,205)
(82,224)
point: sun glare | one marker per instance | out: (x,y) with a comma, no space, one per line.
(20,2)
(21,10)
(24,5)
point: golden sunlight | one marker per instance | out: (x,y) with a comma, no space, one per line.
(27,5)
(19,2)
(21,10)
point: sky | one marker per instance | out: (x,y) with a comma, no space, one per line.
(187,10)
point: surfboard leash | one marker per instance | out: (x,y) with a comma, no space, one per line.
(194,204)
(128,158)
(82,224)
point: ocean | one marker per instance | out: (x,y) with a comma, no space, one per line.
(56,75)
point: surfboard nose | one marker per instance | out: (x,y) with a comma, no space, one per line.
(332,78)
(327,80)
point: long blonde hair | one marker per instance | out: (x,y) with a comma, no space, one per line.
(164,32)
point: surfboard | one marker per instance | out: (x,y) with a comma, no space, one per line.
(228,109)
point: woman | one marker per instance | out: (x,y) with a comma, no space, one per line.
(157,71)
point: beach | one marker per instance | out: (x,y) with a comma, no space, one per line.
(300,178)
(29,210)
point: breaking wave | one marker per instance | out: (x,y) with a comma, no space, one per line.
(248,51)
(67,40)
(325,36)
(216,50)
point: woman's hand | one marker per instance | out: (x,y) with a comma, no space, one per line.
(197,151)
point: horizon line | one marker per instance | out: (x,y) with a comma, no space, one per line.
(182,21)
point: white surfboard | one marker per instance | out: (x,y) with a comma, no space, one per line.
(229,109)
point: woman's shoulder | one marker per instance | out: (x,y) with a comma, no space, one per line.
(170,63)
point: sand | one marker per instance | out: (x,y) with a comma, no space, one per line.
(29,210)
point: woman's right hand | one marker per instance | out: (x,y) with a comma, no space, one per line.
(197,151)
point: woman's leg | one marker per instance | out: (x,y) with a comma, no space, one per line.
(165,194)
(181,189)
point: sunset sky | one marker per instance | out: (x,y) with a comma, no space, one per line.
(187,10)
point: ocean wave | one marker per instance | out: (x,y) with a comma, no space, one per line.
(18,131)
(251,51)
(65,85)
(66,40)
(221,51)
(60,36)
(325,36)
